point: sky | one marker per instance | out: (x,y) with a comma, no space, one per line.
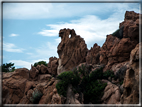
(30,30)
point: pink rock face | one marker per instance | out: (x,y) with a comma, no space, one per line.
(72,51)
(93,55)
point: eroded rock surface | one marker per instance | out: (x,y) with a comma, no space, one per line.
(131,80)
(72,51)
(116,50)
(52,65)
(93,55)
(111,94)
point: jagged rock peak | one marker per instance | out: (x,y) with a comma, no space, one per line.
(64,33)
(72,51)
(131,15)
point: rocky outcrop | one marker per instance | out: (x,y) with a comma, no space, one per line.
(116,50)
(131,25)
(131,81)
(25,86)
(13,86)
(72,51)
(93,55)
(119,53)
(52,65)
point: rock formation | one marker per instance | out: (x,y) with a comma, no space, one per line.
(111,94)
(131,80)
(93,55)
(119,53)
(52,65)
(72,51)
(116,50)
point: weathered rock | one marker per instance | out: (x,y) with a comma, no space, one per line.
(7,75)
(118,66)
(72,51)
(111,94)
(13,89)
(93,55)
(29,85)
(33,72)
(131,80)
(43,69)
(116,50)
(22,72)
(56,99)
(111,41)
(52,65)
(44,77)
(48,92)
(71,97)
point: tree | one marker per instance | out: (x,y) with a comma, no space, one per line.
(8,67)
(40,62)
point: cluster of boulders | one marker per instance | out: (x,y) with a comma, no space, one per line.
(119,53)
(19,86)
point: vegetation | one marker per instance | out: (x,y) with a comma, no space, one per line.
(83,81)
(118,33)
(40,62)
(36,96)
(8,67)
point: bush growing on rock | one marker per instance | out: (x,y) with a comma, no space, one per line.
(118,33)
(40,62)
(83,81)
(36,96)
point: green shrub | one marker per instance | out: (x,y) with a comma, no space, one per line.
(110,74)
(36,96)
(62,88)
(8,67)
(84,81)
(97,74)
(118,33)
(94,92)
(40,62)
(67,78)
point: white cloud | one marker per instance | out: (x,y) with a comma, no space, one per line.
(25,10)
(90,27)
(60,10)
(26,64)
(48,32)
(11,35)
(21,64)
(47,50)
(9,47)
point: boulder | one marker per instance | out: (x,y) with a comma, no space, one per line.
(13,89)
(22,72)
(111,94)
(33,72)
(44,77)
(43,69)
(52,65)
(72,51)
(56,99)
